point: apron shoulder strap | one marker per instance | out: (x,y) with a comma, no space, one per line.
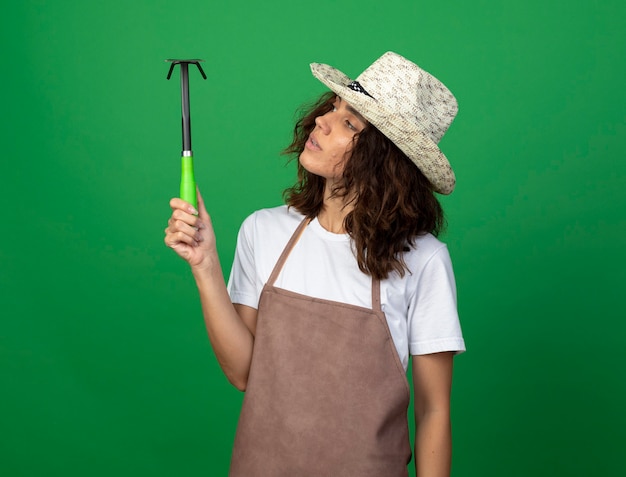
(376,306)
(287,250)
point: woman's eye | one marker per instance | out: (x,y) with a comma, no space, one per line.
(349,124)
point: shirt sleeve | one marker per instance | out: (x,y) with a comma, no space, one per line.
(244,286)
(433,321)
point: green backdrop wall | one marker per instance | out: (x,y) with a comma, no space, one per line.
(104,362)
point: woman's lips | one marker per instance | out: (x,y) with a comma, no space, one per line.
(312,143)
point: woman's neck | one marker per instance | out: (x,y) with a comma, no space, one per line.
(334,211)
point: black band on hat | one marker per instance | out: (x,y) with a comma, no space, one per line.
(356,86)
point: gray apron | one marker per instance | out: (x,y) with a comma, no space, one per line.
(327,395)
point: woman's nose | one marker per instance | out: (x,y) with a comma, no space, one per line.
(322,123)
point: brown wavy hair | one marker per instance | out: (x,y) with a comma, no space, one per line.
(393,201)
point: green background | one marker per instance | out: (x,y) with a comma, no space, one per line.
(104,362)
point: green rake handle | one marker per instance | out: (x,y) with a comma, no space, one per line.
(188,181)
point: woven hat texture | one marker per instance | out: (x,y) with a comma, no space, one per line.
(407,104)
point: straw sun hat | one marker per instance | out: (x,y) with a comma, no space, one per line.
(408,105)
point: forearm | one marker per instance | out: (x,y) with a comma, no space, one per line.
(230,338)
(433,445)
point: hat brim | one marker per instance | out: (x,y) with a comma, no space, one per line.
(403,132)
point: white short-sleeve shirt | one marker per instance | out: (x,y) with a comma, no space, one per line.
(420,308)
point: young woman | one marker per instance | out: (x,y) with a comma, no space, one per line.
(331,295)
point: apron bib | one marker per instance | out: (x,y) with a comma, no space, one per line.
(327,395)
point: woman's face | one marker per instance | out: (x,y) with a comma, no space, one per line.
(328,146)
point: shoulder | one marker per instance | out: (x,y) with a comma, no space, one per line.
(425,250)
(428,264)
(270,227)
(275,219)
(262,237)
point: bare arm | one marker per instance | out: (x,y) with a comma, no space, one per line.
(432,382)
(230,327)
